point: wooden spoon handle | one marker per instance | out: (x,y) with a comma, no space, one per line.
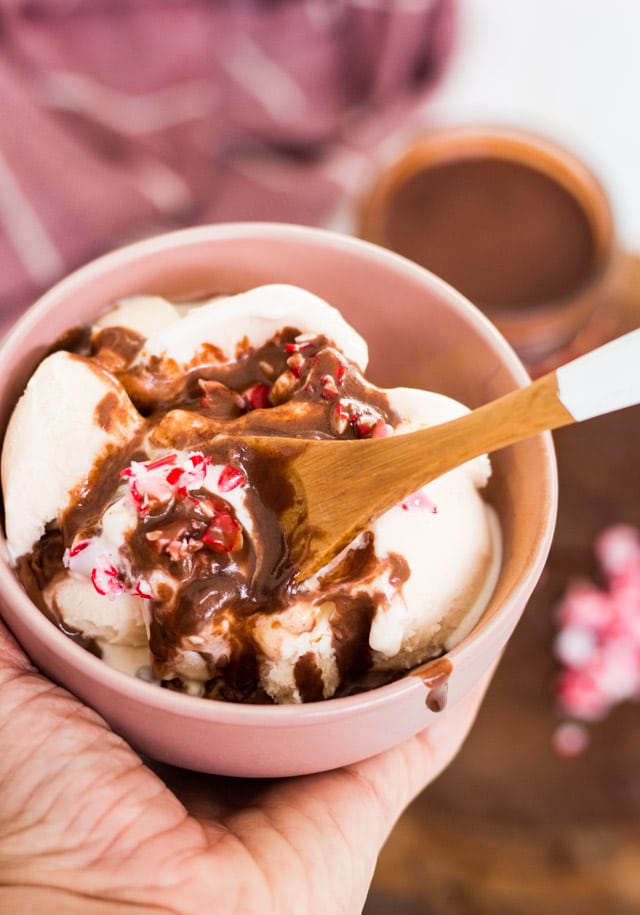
(342,485)
(423,455)
(601,381)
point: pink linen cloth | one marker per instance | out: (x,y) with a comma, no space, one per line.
(119,118)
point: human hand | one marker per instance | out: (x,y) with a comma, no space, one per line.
(87,827)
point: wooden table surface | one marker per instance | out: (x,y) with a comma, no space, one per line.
(511,828)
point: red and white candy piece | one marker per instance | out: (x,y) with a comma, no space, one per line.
(165,478)
(420,500)
(87,557)
(230,478)
(106,579)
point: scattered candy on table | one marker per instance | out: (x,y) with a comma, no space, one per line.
(598,639)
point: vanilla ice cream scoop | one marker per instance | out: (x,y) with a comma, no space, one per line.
(71,415)
(254,316)
(426,571)
(144,528)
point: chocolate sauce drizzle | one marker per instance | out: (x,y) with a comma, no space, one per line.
(281,388)
(435,676)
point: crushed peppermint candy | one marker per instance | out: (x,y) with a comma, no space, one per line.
(420,499)
(166,478)
(230,478)
(105,575)
(258,397)
(92,558)
(598,637)
(106,579)
(570,739)
(210,524)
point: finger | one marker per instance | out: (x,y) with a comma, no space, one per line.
(398,775)
(338,821)
(12,657)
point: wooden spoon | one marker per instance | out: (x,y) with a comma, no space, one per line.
(342,486)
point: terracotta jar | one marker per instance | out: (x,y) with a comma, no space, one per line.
(516,223)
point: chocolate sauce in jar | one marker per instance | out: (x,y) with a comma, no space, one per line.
(503,233)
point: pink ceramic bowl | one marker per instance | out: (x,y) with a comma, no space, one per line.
(421,333)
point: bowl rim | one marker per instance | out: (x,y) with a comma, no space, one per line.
(212,710)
